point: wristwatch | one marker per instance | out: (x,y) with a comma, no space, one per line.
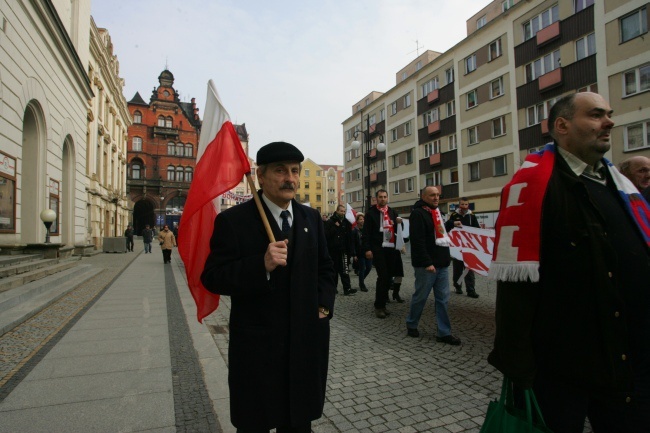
(324,310)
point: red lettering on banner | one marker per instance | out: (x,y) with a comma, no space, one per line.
(483,242)
(454,235)
(467,241)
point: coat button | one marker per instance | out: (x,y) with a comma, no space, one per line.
(623,357)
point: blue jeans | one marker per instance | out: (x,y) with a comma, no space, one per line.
(365,266)
(424,281)
(147,247)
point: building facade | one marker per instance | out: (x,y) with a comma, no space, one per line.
(44,101)
(320,186)
(464,120)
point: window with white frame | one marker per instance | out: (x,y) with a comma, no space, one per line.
(431,148)
(409,156)
(382,114)
(349,176)
(453,175)
(507,4)
(396,187)
(472,99)
(500,167)
(579,5)
(430,116)
(433,179)
(543,65)
(637,136)
(137,117)
(393,134)
(636,81)
(161,121)
(348,155)
(449,75)
(358,171)
(188,174)
(306,172)
(470,63)
(452,142)
(407,128)
(171,172)
(407,100)
(472,135)
(498,126)
(409,184)
(168,122)
(586,46)
(537,113)
(496,88)
(348,135)
(171,148)
(355,153)
(393,108)
(136,171)
(538,22)
(371,119)
(189,150)
(481,22)
(348,197)
(137,144)
(359,196)
(180,149)
(474,173)
(593,88)
(451,108)
(429,86)
(494,50)
(395,161)
(634,24)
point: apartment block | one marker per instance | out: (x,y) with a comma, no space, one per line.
(464,120)
(320,186)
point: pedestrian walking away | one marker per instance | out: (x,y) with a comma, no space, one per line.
(167,241)
(282,299)
(430,258)
(462,217)
(128,234)
(572,264)
(147,238)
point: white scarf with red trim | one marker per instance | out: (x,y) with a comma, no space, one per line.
(442,238)
(387,228)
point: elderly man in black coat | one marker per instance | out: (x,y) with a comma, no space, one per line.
(282,298)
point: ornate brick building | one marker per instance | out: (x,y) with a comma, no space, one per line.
(162,146)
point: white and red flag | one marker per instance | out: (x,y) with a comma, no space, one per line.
(221,165)
(351,215)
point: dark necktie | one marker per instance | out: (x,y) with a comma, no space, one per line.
(285,221)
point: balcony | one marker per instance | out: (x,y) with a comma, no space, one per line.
(433,127)
(548,34)
(434,159)
(165,132)
(550,80)
(433,96)
(373,153)
(373,177)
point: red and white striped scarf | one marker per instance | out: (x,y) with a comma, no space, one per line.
(387,228)
(442,239)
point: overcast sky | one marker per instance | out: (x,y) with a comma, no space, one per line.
(289,70)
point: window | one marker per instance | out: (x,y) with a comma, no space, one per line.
(407,100)
(371,119)
(579,5)
(161,121)
(393,133)
(470,63)
(449,75)
(409,156)
(171,148)
(586,46)
(180,149)
(496,88)
(349,176)
(453,175)
(137,144)
(634,24)
(433,179)
(393,108)
(451,108)
(430,116)
(407,128)
(54,205)
(431,148)
(137,117)
(382,114)
(637,136)
(472,99)
(538,22)
(472,135)
(135,171)
(188,174)
(451,141)
(170,172)
(396,188)
(481,22)
(494,50)
(179,174)
(498,126)
(306,185)
(500,165)
(637,80)
(306,172)
(168,122)
(539,112)
(429,86)
(189,150)
(319,185)
(409,184)
(507,5)
(319,197)
(543,65)
(474,173)
(395,161)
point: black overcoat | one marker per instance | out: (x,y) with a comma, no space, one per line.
(278,349)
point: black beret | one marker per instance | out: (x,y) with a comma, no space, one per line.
(278,151)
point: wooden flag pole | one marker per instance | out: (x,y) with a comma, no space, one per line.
(260,209)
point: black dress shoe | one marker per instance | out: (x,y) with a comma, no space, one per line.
(363,289)
(459,290)
(412,332)
(397,299)
(472,295)
(449,339)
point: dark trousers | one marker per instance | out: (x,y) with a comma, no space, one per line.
(459,267)
(383,260)
(565,407)
(365,266)
(129,244)
(167,255)
(340,260)
(305,428)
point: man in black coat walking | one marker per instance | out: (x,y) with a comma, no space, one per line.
(282,298)
(338,232)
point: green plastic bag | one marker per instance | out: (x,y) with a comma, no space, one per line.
(503,417)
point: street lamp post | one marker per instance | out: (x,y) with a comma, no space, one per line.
(380,148)
(48,216)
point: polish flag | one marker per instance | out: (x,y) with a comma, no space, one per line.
(351,215)
(221,165)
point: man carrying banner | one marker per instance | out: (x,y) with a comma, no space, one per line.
(282,298)
(571,258)
(462,217)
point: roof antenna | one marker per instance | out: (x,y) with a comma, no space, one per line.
(417,48)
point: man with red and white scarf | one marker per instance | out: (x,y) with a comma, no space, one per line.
(572,262)
(379,239)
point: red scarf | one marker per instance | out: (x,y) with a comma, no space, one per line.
(442,239)
(387,228)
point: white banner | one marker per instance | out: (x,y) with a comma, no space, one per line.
(474,247)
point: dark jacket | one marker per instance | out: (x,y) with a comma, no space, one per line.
(469,219)
(339,237)
(372,238)
(128,233)
(574,322)
(147,235)
(357,242)
(424,251)
(279,347)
